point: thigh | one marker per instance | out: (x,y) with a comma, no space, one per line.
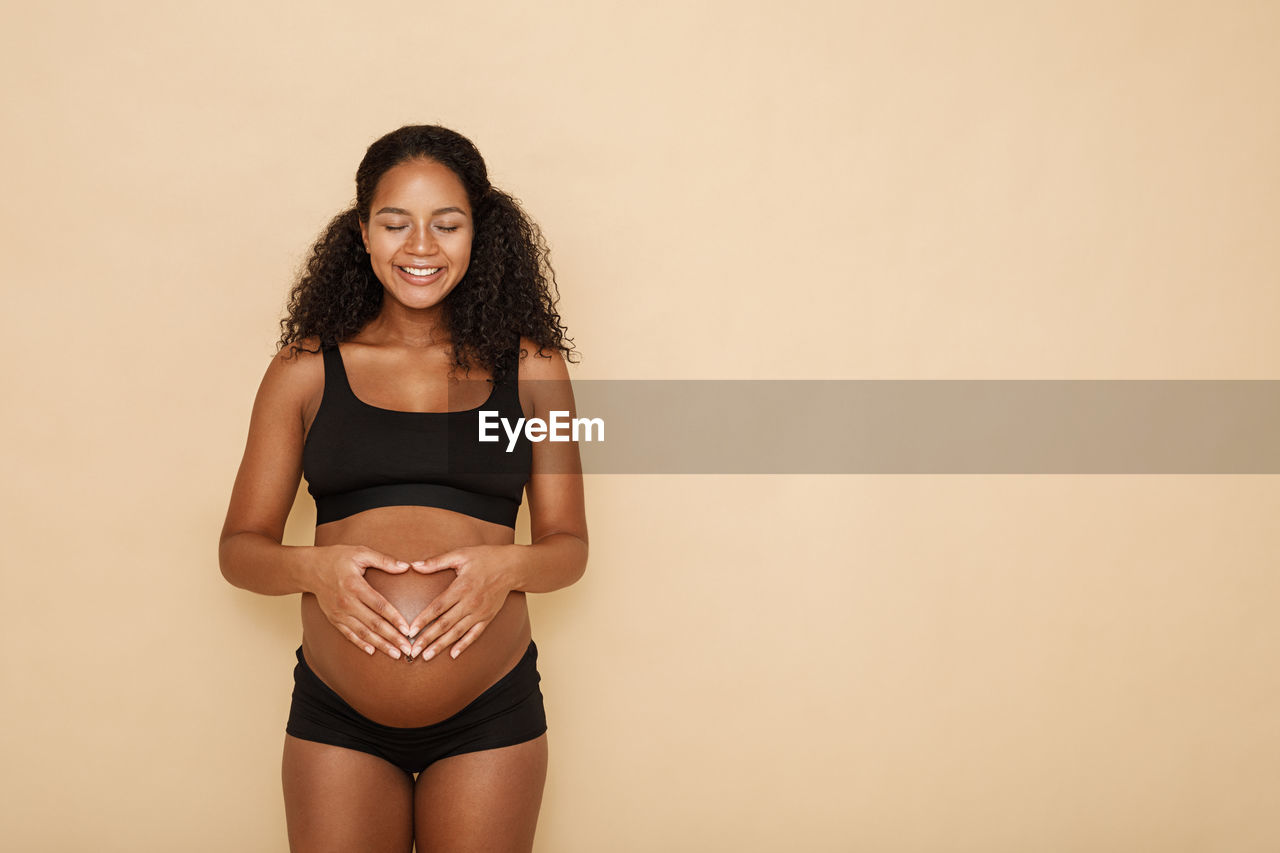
(339,799)
(482,801)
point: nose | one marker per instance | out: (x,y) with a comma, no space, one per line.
(422,242)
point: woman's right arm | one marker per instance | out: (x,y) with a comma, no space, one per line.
(250,553)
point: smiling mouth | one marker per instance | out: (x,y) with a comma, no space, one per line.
(422,271)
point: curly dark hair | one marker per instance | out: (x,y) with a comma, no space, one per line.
(509,288)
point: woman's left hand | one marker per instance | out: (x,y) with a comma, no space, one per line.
(466,607)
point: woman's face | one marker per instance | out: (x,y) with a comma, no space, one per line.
(419,232)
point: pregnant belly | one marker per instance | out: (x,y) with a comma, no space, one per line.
(413,693)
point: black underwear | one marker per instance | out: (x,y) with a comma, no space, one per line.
(509,712)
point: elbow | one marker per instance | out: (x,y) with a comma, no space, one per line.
(582,561)
(226,565)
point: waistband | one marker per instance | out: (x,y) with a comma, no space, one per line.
(498,510)
(512,688)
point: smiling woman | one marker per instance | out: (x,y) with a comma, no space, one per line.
(395,735)
(427,246)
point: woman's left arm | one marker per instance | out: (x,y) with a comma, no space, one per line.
(557,557)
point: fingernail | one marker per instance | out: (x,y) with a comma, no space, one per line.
(395,653)
(454,653)
(430,653)
(402,564)
(369,649)
(404,629)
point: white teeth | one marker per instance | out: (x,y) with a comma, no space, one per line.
(421,270)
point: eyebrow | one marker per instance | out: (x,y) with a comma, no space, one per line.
(437,212)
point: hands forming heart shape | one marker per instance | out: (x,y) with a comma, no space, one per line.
(456,617)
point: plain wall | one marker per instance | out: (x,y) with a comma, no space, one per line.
(915,190)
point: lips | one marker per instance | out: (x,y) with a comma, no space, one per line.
(419,275)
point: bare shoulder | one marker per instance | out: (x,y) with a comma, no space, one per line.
(296,374)
(547,364)
(544,380)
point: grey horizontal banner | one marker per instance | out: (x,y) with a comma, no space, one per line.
(930,426)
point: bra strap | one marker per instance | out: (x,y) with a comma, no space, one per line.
(334,367)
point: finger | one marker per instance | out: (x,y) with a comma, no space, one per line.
(366,622)
(351,635)
(459,628)
(366,639)
(423,619)
(372,638)
(437,628)
(378,560)
(436,563)
(434,631)
(470,637)
(439,605)
(376,602)
(387,637)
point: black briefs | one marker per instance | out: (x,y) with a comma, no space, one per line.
(510,711)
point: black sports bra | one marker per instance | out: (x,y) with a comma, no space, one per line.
(357,456)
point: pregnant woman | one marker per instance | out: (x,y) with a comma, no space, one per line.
(417,715)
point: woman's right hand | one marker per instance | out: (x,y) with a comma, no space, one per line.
(353,606)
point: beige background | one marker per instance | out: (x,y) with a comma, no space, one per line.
(731,189)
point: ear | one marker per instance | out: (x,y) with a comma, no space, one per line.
(364,236)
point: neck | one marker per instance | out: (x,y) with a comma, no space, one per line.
(410,327)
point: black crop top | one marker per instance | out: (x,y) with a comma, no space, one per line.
(357,456)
